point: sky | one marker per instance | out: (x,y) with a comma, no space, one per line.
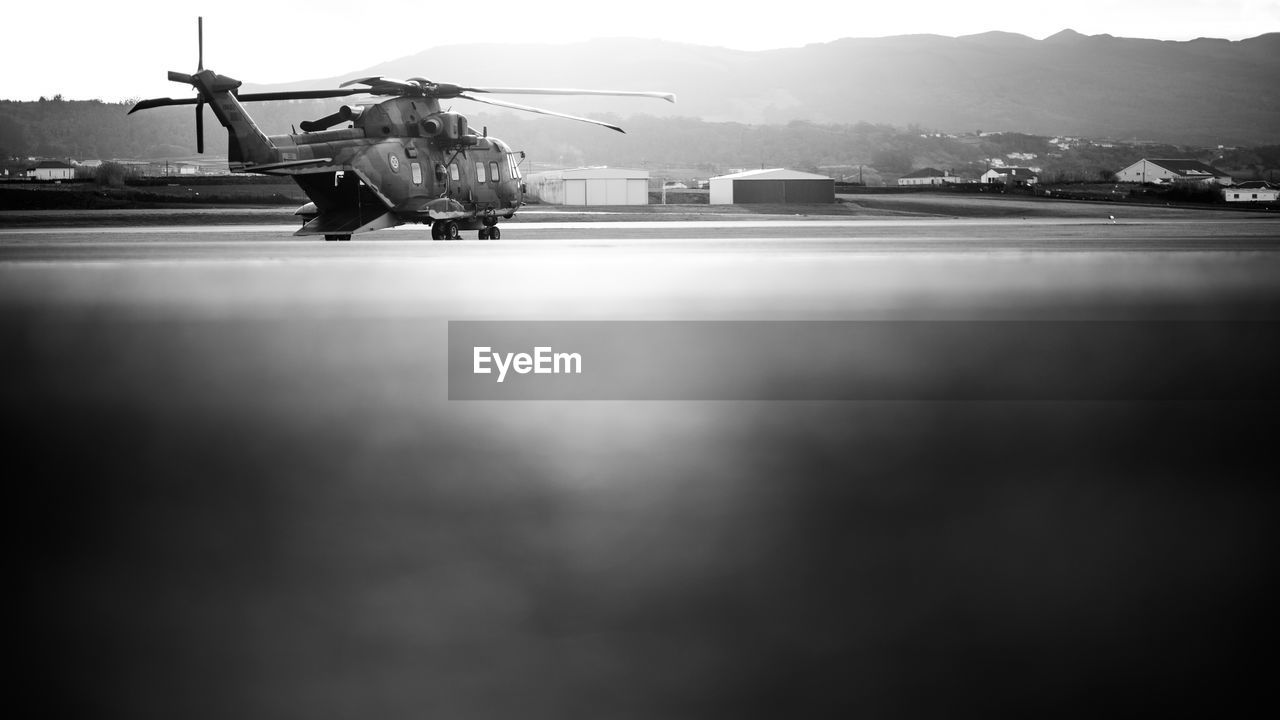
(117,50)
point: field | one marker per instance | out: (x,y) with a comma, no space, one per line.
(156,193)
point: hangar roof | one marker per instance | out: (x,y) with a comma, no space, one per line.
(587,173)
(1186,166)
(772,174)
(924,173)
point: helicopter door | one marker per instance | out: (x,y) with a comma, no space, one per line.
(485,190)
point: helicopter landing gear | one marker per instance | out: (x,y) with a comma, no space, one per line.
(337,237)
(444,230)
(490,230)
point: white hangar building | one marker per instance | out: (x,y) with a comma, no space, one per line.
(589,186)
(772,186)
(1170,170)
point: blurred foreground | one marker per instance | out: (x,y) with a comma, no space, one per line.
(241,492)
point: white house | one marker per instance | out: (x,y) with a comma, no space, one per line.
(1010,176)
(590,186)
(1254,191)
(51,170)
(925,176)
(1171,170)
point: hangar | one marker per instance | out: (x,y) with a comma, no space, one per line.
(589,186)
(772,186)
(1172,170)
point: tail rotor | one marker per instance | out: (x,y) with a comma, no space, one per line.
(200,68)
(193,82)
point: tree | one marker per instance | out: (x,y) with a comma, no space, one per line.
(111,174)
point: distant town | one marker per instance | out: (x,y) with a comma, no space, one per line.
(897,160)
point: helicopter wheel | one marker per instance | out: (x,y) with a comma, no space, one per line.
(484,233)
(495,233)
(437,230)
(451,230)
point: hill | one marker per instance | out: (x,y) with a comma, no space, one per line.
(846,104)
(1204,91)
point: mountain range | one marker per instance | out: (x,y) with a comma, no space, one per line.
(1206,91)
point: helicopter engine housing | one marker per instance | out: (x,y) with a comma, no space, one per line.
(451,126)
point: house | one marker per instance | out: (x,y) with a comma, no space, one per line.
(931,176)
(1171,170)
(1013,176)
(51,170)
(1254,191)
(924,176)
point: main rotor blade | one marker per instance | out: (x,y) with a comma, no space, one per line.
(669,97)
(200,33)
(540,111)
(200,127)
(382,82)
(250,97)
(299,95)
(161,102)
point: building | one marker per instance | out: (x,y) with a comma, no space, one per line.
(772,186)
(930,176)
(924,176)
(589,186)
(1012,176)
(51,170)
(1171,170)
(1253,191)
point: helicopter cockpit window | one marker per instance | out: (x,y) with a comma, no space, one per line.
(513,166)
(453,171)
(479,172)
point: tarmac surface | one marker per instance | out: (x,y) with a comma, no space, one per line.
(241,490)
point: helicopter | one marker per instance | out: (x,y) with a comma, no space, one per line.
(399,160)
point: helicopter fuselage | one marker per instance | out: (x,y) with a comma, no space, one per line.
(401,160)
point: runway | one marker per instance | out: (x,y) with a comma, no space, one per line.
(242,490)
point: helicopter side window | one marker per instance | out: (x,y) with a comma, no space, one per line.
(479,172)
(493,171)
(453,171)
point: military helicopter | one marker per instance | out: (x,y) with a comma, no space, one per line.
(400,160)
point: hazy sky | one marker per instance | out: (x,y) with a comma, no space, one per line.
(112,50)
